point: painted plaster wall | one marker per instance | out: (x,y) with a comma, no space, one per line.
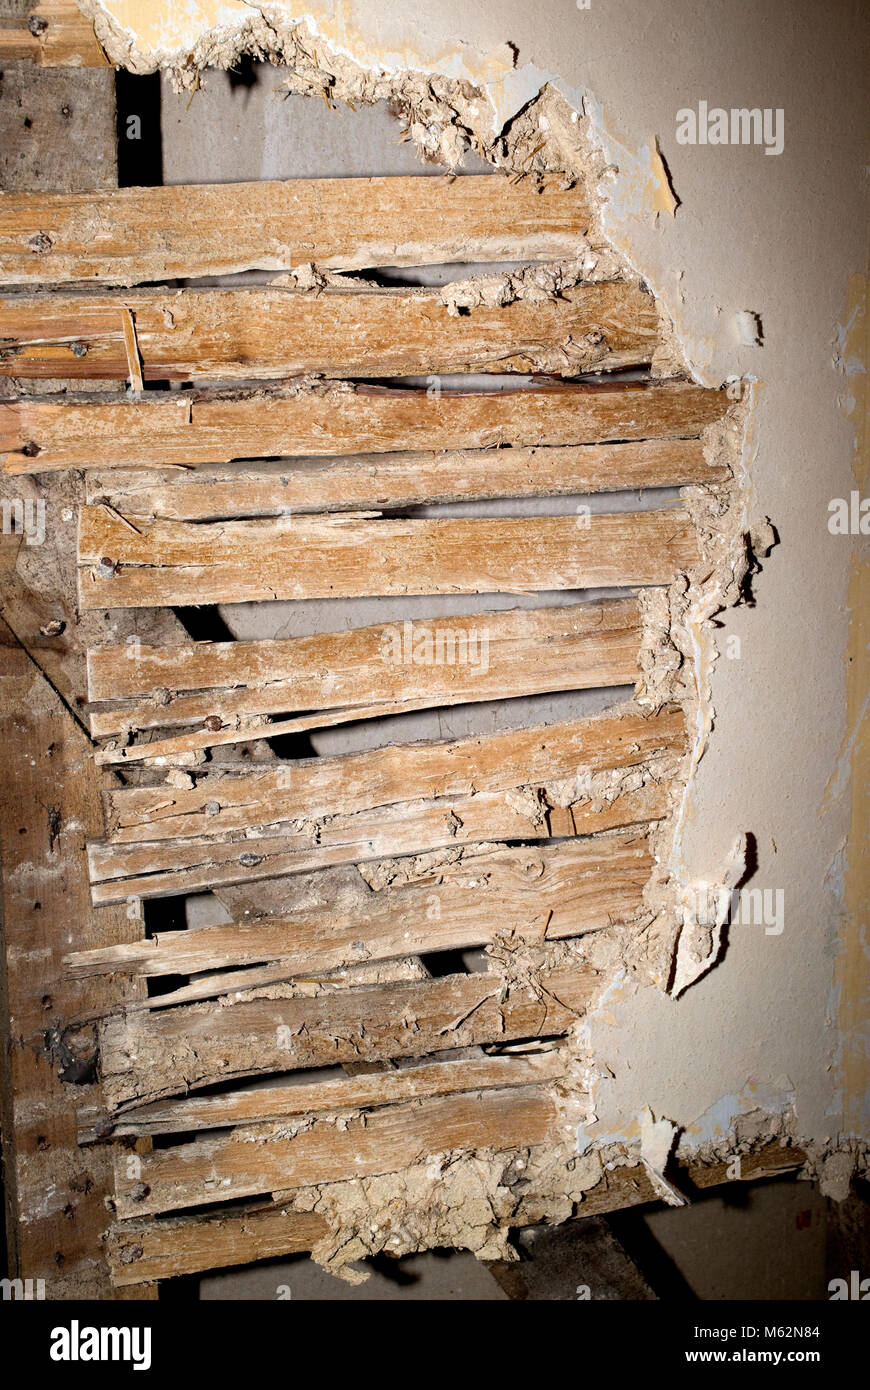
(780,236)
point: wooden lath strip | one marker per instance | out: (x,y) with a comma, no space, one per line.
(380,481)
(167,563)
(196,335)
(184,427)
(142,1252)
(363,1091)
(463,657)
(163,868)
(311,789)
(139,1251)
(553,891)
(251,1163)
(357,661)
(176,747)
(146,235)
(146,1057)
(211,985)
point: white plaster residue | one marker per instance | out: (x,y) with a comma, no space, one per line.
(657,1139)
(705,908)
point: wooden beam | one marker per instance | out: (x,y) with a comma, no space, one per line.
(146,1056)
(145,235)
(375,481)
(55,1193)
(363,1091)
(195,335)
(554,891)
(169,563)
(246,1163)
(186,427)
(465,657)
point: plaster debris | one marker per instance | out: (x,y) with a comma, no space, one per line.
(835,1175)
(704,909)
(457,1201)
(537,283)
(383,873)
(657,1138)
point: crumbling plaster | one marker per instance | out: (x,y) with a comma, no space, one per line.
(779,237)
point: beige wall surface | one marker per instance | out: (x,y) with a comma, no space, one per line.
(781,1021)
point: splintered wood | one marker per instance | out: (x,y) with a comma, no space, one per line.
(247,334)
(430,920)
(244,1165)
(560,889)
(232,826)
(149,1055)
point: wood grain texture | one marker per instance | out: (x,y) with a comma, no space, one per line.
(141,1252)
(463,657)
(375,481)
(145,235)
(54,33)
(169,563)
(363,1091)
(55,1193)
(160,868)
(171,1246)
(247,334)
(246,1163)
(188,427)
(524,784)
(552,890)
(310,789)
(145,1056)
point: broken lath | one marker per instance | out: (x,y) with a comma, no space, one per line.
(548,849)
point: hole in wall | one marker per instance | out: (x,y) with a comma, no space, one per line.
(204,624)
(164,915)
(290,747)
(441,963)
(140,146)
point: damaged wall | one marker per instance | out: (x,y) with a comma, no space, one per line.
(760,1035)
